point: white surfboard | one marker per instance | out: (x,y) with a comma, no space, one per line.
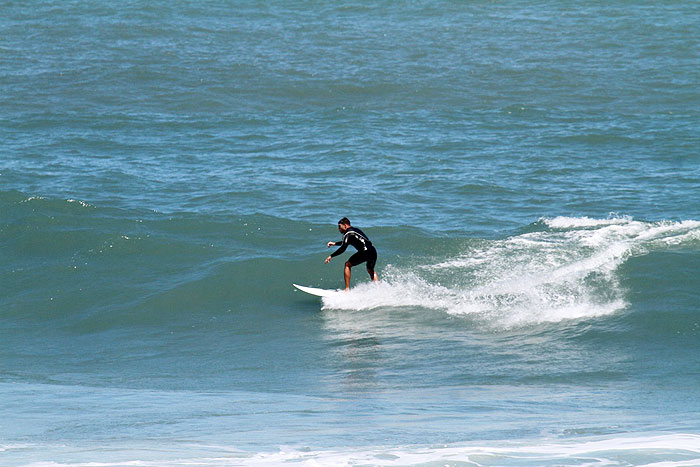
(317,292)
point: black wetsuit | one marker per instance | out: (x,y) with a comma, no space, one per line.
(365,251)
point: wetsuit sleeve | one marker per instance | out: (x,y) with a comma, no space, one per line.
(343,247)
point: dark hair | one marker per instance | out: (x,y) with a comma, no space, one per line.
(344,220)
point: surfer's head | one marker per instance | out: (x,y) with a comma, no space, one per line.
(343,224)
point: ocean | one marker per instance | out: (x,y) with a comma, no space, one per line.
(529,173)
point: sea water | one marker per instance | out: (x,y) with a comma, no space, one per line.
(528,171)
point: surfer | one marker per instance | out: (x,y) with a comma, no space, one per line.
(365,250)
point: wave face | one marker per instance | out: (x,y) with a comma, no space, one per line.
(72,259)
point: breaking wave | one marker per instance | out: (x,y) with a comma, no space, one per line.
(566,269)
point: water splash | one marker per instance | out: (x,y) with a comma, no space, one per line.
(566,271)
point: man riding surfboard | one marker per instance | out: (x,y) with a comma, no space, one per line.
(365,250)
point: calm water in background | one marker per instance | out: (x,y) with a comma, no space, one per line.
(529,173)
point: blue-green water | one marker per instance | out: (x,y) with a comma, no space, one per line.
(528,171)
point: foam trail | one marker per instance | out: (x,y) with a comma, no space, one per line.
(568,271)
(644,450)
(650,450)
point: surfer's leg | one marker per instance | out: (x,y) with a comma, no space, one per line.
(372,275)
(354,260)
(347,274)
(371,261)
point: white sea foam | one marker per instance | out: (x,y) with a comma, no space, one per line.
(400,290)
(82,203)
(567,272)
(32,198)
(652,450)
(563,222)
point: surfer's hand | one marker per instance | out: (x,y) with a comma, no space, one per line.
(328,260)
(330,244)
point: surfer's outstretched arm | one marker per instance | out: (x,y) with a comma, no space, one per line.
(343,246)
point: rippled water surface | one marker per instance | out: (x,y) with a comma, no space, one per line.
(528,172)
